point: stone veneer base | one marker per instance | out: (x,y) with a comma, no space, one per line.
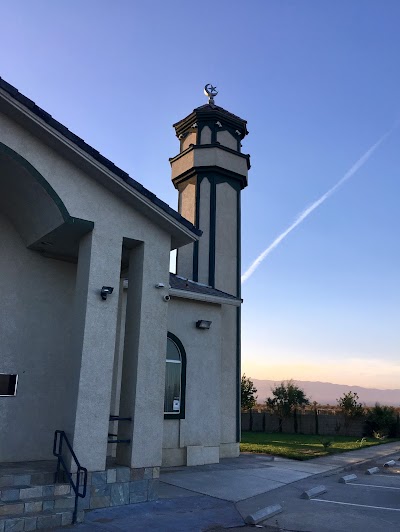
(119,485)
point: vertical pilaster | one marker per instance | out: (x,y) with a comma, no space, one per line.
(143,375)
(99,264)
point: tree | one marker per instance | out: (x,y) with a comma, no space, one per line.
(248,391)
(287,397)
(350,407)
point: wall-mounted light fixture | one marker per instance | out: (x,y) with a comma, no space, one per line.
(105,291)
(159,285)
(203,324)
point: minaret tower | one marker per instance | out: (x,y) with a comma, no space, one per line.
(210,172)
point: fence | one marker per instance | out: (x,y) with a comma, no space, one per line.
(307,423)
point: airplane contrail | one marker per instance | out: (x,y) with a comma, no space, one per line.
(302,216)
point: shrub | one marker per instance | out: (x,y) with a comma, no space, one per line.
(326,444)
(381,421)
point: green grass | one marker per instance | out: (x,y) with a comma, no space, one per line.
(301,446)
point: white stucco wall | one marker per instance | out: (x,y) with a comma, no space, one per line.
(82,196)
(201,426)
(42,303)
(35,332)
(229,383)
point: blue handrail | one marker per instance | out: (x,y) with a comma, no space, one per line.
(59,438)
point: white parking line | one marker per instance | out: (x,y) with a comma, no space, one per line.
(388,475)
(359,505)
(373,486)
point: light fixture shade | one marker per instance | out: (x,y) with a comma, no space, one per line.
(105,291)
(203,324)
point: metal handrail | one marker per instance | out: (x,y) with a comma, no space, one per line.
(59,438)
(119,418)
(114,417)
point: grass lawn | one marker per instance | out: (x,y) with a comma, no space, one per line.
(301,446)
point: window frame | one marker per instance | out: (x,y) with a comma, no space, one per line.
(179,345)
(15,384)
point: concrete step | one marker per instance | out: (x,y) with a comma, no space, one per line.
(37,504)
(38,520)
(24,478)
(25,492)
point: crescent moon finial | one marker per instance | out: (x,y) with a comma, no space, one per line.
(210,91)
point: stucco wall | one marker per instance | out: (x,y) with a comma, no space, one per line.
(204,223)
(190,139)
(35,331)
(220,157)
(205,135)
(48,290)
(201,426)
(226,139)
(82,196)
(229,383)
(187,208)
(226,252)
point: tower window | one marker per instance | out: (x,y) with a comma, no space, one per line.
(175,379)
(8,385)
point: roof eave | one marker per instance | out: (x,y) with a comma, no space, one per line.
(213,113)
(205,298)
(181,232)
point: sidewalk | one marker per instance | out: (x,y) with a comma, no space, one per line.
(219,496)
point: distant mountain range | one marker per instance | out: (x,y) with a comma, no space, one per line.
(326,393)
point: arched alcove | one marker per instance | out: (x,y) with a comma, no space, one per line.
(35,209)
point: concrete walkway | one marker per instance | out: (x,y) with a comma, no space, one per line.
(220,495)
(236,479)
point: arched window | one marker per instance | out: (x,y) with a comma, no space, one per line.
(175,379)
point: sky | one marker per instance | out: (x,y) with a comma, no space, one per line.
(318,83)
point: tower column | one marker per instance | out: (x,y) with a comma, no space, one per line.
(209,173)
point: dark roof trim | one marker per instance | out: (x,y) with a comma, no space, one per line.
(211,112)
(60,128)
(180,283)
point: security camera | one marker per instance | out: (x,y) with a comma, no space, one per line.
(166,298)
(105,291)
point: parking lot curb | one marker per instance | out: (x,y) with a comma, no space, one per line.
(390,463)
(263,514)
(313,492)
(347,478)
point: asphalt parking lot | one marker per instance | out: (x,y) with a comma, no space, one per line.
(219,497)
(370,502)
